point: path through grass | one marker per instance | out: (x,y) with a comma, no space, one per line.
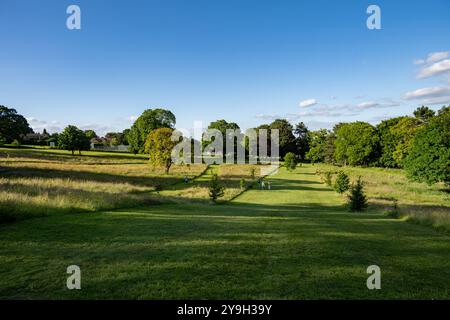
(295,241)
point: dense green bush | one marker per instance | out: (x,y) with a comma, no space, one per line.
(342,182)
(328,178)
(242,184)
(429,157)
(290,161)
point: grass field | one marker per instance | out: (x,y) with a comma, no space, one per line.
(296,241)
(417,202)
(37,182)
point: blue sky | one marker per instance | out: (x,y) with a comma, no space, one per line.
(245,61)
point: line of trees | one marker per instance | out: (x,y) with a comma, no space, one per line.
(419,143)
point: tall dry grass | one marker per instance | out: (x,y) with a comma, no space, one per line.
(34,186)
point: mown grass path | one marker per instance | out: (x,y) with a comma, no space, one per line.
(295,241)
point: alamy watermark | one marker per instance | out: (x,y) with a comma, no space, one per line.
(374,20)
(232,146)
(374,280)
(73,22)
(74,280)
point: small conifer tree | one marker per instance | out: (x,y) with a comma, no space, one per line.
(216,190)
(357,200)
(342,182)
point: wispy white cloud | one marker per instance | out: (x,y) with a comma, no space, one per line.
(368,105)
(56,126)
(307,103)
(437,56)
(429,92)
(434,69)
(433,57)
(268,116)
(39,125)
(436,101)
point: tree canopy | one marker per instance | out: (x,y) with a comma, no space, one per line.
(286,135)
(12,125)
(388,142)
(72,139)
(429,156)
(159,146)
(302,139)
(317,145)
(90,134)
(221,125)
(403,134)
(356,143)
(424,113)
(148,121)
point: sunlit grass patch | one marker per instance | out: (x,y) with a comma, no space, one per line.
(230,176)
(35,185)
(386,187)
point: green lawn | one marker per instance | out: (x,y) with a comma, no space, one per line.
(295,241)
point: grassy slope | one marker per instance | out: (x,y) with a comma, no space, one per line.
(425,204)
(295,241)
(36,182)
(230,176)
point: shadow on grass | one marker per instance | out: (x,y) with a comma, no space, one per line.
(240,250)
(57,155)
(150,181)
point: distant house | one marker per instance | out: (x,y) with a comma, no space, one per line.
(103,144)
(35,138)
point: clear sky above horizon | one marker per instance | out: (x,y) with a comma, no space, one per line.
(246,61)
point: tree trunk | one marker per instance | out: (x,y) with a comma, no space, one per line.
(168,164)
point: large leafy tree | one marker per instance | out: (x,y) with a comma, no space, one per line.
(302,139)
(159,146)
(356,143)
(330,148)
(287,138)
(12,124)
(318,140)
(388,142)
(72,139)
(403,134)
(148,121)
(429,157)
